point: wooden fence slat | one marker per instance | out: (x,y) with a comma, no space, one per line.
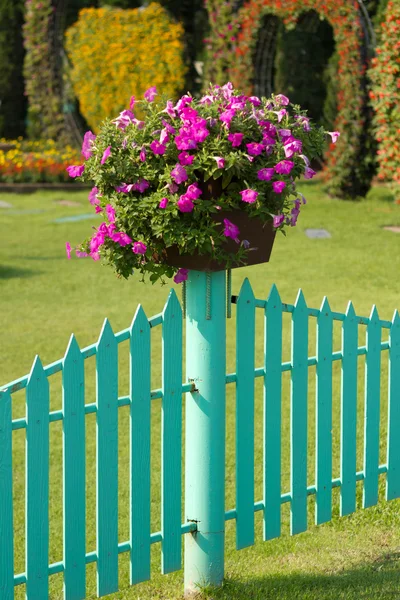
(298,420)
(74,468)
(171,435)
(348,429)
(245,350)
(107,461)
(140,417)
(372,410)
(272,415)
(37,483)
(6,500)
(323,505)
(393,453)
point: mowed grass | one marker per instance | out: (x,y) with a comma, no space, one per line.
(44,297)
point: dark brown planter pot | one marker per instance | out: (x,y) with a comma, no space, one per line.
(260,235)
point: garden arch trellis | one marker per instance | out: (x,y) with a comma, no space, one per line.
(232,44)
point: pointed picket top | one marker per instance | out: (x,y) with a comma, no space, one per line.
(300,301)
(37,372)
(140,322)
(325,310)
(172,306)
(107,336)
(374,316)
(395,320)
(350,311)
(274,297)
(73,351)
(246,293)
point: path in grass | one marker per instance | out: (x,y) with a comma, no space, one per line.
(44,298)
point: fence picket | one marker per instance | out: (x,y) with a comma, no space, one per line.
(6,502)
(323,505)
(372,410)
(37,483)
(171,435)
(298,417)
(107,461)
(140,418)
(272,415)
(245,344)
(74,522)
(393,453)
(348,430)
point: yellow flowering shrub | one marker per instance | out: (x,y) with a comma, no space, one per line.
(119,53)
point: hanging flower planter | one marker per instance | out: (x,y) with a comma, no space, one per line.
(202,184)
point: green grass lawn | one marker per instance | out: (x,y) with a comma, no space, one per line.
(44,297)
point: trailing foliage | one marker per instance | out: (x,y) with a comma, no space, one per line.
(12,99)
(116,53)
(231,45)
(45,110)
(385,96)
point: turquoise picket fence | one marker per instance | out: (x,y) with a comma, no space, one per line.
(38,419)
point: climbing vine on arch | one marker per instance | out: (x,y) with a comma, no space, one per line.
(231,44)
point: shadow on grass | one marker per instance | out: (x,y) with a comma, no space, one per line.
(9,272)
(378,579)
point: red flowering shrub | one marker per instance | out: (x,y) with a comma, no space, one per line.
(385,96)
(231,44)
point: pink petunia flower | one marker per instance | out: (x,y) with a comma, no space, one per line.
(278,186)
(75,170)
(185,204)
(150,94)
(88,140)
(334,135)
(281,99)
(265,174)
(93,196)
(231,230)
(254,100)
(193,192)
(157,148)
(278,220)
(236,139)
(121,238)
(309,173)
(139,248)
(106,154)
(132,102)
(185,158)
(68,250)
(173,188)
(181,275)
(284,167)
(249,196)
(164,137)
(163,203)
(292,147)
(179,174)
(142,155)
(227,116)
(220,161)
(254,149)
(169,109)
(110,211)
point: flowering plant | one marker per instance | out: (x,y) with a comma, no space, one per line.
(149,176)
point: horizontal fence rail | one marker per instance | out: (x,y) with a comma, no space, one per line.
(38,418)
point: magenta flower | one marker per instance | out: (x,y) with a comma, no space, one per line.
(142,155)
(68,250)
(254,149)
(150,94)
(249,196)
(235,139)
(88,140)
(75,170)
(280,114)
(281,99)
(305,158)
(278,186)
(185,204)
(93,199)
(291,147)
(185,158)
(98,210)
(110,211)
(132,102)
(141,185)
(184,101)
(181,275)
(124,119)
(169,109)
(164,137)
(139,248)
(179,174)
(168,126)
(157,148)
(334,135)
(80,254)
(121,238)
(265,174)
(163,203)
(185,140)
(231,230)
(254,100)
(220,162)
(106,154)
(284,134)
(278,220)
(200,133)
(193,192)
(284,167)
(309,173)
(227,116)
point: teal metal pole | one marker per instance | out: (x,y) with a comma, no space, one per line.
(205,429)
